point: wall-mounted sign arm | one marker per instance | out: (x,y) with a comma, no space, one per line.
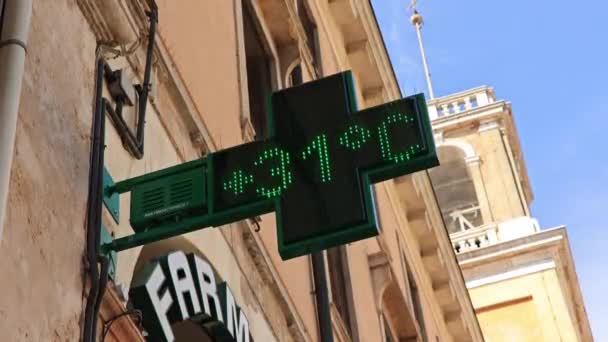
(128,184)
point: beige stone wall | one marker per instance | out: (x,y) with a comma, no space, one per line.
(41,250)
(526,308)
(501,189)
(495,184)
(512,321)
(201,38)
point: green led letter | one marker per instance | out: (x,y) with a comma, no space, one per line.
(354,137)
(385,143)
(280,169)
(319,145)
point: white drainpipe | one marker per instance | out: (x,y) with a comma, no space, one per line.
(13,41)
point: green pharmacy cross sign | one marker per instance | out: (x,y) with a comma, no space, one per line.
(315,170)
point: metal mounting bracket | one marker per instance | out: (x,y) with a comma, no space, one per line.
(110,198)
(106,237)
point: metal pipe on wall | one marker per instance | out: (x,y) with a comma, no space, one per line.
(14,29)
(322,297)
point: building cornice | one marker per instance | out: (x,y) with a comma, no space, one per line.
(368,58)
(415,205)
(456,96)
(556,245)
(541,240)
(519,272)
(471,117)
(362,48)
(380,52)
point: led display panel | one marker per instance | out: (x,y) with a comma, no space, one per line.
(316,167)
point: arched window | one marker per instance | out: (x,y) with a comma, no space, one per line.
(312,34)
(341,291)
(295,76)
(455,190)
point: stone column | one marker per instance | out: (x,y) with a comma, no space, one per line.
(473,164)
(445,109)
(467,103)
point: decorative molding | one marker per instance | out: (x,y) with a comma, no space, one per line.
(247,130)
(472,160)
(338,325)
(256,256)
(242,79)
(514,273)
(384,247)
(363,49)
(456,96)
(124,328)
(542,239)
(264,266)
(438,136)
(438,239)
(290,54)
(164,68)
(378,259)
(289,23)
(467,118)
(378,54)
(488,125)
(97,20)
(467,149)
(450,262)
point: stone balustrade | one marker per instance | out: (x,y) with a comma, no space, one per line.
(463,219)
(488,234)
(460,102)
(475,238)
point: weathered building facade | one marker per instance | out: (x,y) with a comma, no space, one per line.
(213,65)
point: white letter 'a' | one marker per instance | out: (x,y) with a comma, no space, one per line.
(178,262)
(161,304)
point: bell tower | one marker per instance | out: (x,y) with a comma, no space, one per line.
(521,280)
(514,271)
(482,183)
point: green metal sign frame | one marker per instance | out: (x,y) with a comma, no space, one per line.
(216,214)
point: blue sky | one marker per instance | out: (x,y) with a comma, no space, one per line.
(549,58)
